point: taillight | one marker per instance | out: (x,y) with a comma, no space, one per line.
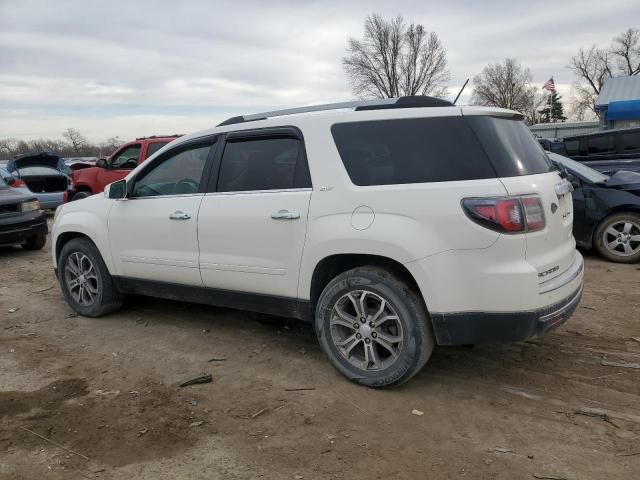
(533,212)
(506,214)
(17,183)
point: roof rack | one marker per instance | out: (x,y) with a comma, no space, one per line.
(176,135)
(416,101)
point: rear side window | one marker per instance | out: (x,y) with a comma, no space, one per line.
(154,147)
(510,145)
(415,150)
(260,164)
(631,142)
(603,144)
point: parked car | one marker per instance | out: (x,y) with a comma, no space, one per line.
(606,210)
(391,224)
(89,180)
(21,219)
(44,174)
(607,151)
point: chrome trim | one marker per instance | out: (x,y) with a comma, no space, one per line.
(563,188)
(247,192)
(566,306)
(563,279)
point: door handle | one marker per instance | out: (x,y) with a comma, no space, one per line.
(285,215)
(179,215)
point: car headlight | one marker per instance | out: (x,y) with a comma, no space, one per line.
(30,206)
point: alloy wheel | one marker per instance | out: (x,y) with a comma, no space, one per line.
(81,278)
(366,330)
(622,238)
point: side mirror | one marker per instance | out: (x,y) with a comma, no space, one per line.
(102,163)
(117,190)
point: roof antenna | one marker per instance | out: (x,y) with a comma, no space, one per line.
(460,92)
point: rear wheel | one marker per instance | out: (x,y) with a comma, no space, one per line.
(85,281)
(81,195)
(618,238)
(36,242)
(373,327)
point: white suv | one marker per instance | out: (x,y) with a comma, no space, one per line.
(391,224)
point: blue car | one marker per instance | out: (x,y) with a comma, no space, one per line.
(44,174)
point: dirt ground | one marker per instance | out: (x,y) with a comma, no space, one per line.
(108,389)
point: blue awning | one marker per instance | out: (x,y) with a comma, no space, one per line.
(624,110)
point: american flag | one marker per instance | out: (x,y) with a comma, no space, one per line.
(549,85)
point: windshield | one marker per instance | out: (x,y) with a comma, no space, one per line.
(579,168)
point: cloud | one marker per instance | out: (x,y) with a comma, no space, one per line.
(133,68)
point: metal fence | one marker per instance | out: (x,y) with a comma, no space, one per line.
(561,130)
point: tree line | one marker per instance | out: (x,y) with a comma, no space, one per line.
(72,144)
(395,58)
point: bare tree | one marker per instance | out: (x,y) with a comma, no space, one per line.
(593,67)
(77,140)
(505,85)
(533,109)
(395,59)
(626,49)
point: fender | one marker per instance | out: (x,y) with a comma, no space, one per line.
(88,224)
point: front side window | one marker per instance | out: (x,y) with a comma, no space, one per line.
(603,144)
(127,159)
(178,174)
(573,147)
(259,164)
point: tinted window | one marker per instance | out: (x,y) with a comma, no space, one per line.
(573,147)
(631,142)
(154,147)
(415,150)
(177,174)
(259,164)
(603,144)
(510,146)
(128,158)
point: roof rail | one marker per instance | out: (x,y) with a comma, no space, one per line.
(416,101)
(175,135)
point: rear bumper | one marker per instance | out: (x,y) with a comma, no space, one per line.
(20,228)
(485,327)
(50,200)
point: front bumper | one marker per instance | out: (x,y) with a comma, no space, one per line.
(21,228)
(486,327)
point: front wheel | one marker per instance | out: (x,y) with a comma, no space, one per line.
(85,281)
(373,327)
(618,238)
(36,242)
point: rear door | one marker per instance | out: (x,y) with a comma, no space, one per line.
(252,223)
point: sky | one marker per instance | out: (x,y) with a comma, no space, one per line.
(136,67)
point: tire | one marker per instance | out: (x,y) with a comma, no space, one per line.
(617,238)
(99,296)
(80,195)
(412,327)
(36,242)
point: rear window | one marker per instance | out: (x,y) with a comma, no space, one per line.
(510,145)
(415,150)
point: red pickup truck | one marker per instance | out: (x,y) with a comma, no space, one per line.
(88,181)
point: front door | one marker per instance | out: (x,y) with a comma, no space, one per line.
(252,227)
(153,232)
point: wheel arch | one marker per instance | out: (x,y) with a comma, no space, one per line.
(333,265)
(613,211)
